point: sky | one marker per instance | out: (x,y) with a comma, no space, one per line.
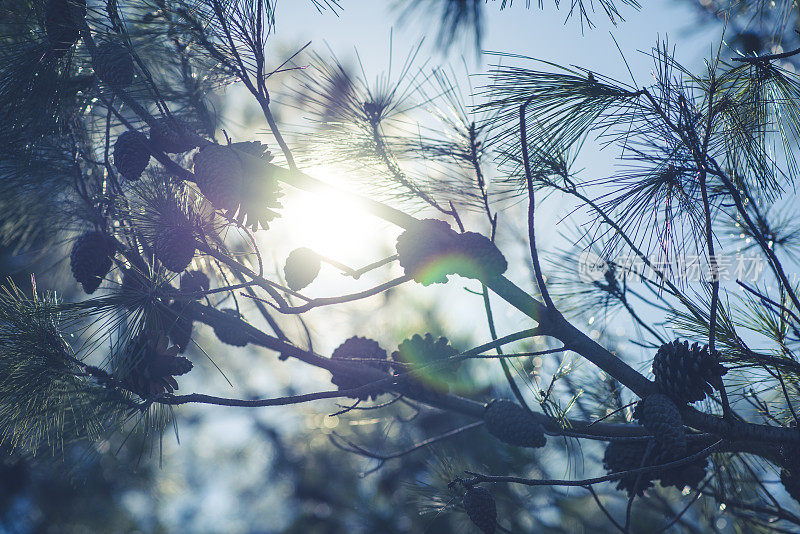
(543,34)
(368,30)
(366,26)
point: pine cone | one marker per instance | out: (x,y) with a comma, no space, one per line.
(686,374)
(131,154)
(169,136)
(231,332)
(62,23)
(194,282)
(90,259)
(113,64)
(179,326)
(415,356)
(238,182)
(511,423)
(174,247)
(167,365)
(749,42)
(152,367)
(691,474)
(426,251)
(479,257)
(659,415)
(365,352)
(302,267)
(219,174)
(253,148)
(481,509)
(626,455)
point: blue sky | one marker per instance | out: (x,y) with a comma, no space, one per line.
(366,24)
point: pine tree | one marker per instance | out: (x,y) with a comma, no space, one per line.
(111,156)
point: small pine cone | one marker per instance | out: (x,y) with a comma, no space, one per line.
(62,23)
(181,333)
(626,455)
(170,137)
(659,415)
(151,367)
(194,282)
(426,251)
(421,357)
(181,366)
(302,267)
(686,374)
(168,365)
(219,173)
(749,42)
(364,352)
(511,423)
(90,259)
(480,258)
(373,112)
(231,332)
(113,64)
(131,154)
(481,509)
(174,248)
(179,326)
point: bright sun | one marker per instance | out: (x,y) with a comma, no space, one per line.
(332,224)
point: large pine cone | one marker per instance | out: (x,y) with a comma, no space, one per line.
(481,508)
(235,180)
(170,136)
(360,351)
(511,423)
(691,474)
(426,251)
(113,64)
(427,361)
(91,258)
(62,23)
(302,267)
(686,374)
(659,415)
(479,257)
(174,247)
(626,455)
(231,331)
(131,154)
(219,174)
